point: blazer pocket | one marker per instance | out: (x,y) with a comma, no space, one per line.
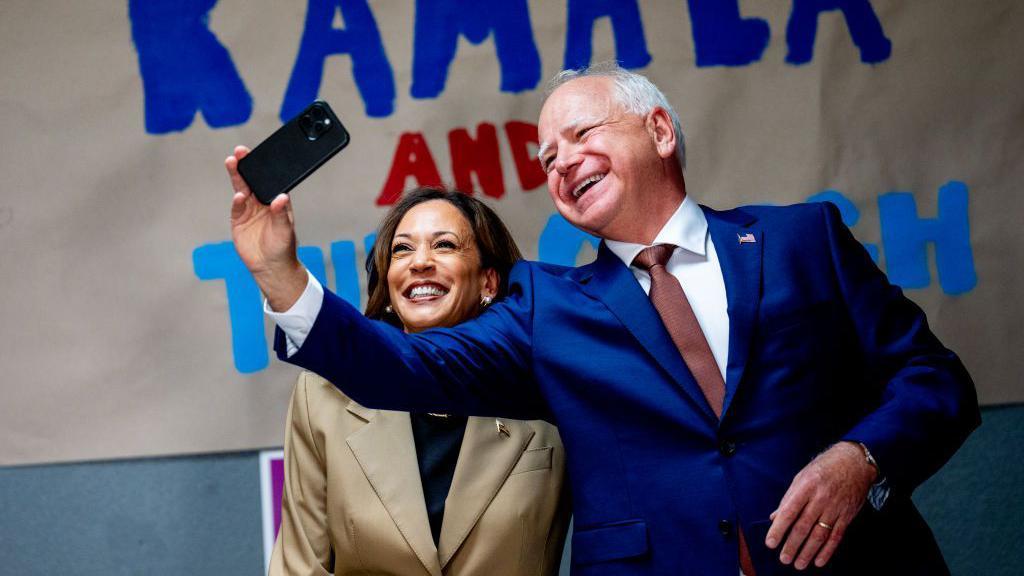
(534,459)
(606,542)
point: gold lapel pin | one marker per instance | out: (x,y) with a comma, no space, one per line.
(502,429)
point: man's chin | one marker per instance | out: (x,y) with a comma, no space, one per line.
(590,220)
(573,215)
(582,223)
(593,212)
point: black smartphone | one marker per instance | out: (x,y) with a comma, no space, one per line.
(293,152)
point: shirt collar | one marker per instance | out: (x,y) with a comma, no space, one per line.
(687,229)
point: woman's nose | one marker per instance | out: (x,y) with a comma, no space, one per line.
(422,259)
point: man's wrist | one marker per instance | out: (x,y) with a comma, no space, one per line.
(284,286)
(878,484)
(865,458)
(297,321)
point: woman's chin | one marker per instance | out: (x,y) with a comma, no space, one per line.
(436,312)
(421,318)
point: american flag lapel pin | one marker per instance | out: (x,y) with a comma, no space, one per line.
(747,238)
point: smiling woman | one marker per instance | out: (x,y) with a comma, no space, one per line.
(392,492)
(449,256)
(435,277)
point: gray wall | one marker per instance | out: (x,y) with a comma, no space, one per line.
(201,515)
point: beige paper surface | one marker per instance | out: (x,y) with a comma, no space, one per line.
(115,347)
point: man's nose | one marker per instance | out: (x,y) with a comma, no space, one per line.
(565,162)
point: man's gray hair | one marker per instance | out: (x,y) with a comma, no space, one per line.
(633,91)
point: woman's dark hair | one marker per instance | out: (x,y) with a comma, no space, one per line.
(493,241)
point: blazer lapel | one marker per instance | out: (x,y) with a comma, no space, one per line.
(386,453)
(488,454)
(615,286)
(738,243)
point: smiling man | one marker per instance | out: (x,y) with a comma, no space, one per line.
(737,390)
(612,171)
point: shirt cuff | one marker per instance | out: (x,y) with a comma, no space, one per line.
(297,321)
(878,494)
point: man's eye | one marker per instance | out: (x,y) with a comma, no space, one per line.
(582,132)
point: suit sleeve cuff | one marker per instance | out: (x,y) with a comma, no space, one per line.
(297,321)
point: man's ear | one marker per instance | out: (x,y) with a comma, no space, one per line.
(490,285)
(663,133)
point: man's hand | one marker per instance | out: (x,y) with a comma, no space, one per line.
(820,503)
(264,237)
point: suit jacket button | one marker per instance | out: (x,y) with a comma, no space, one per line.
(727,447)
(725,527)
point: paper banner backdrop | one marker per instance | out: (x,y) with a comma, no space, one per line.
(131,327)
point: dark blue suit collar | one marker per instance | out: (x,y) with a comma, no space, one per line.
(739,243)
(609,280)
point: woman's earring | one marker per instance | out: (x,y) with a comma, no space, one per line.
(388,309)
(486,300)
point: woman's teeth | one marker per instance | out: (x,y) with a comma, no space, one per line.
(427,290)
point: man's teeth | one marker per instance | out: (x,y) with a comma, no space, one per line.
(578,191)
(427,290)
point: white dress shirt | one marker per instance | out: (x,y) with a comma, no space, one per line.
(297,321)
(695,264)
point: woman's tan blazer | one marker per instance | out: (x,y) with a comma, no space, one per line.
(353,502)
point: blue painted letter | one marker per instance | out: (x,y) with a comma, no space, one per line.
(346,277)
(312,257)
(848,212)
(865,29)
(220,261)
(248,342)
(560,242)
(906,238)
(360,39)
(630,45)
(184,68)
(439,23)
(722,38)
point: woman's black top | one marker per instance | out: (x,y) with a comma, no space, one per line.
(438,441)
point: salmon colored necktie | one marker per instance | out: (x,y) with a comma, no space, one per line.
(670,301)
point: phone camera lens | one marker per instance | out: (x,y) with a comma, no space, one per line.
(315,123)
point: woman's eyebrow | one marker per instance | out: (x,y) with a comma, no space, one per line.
(433,235)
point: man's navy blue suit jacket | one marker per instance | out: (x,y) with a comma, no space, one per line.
(821,349)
